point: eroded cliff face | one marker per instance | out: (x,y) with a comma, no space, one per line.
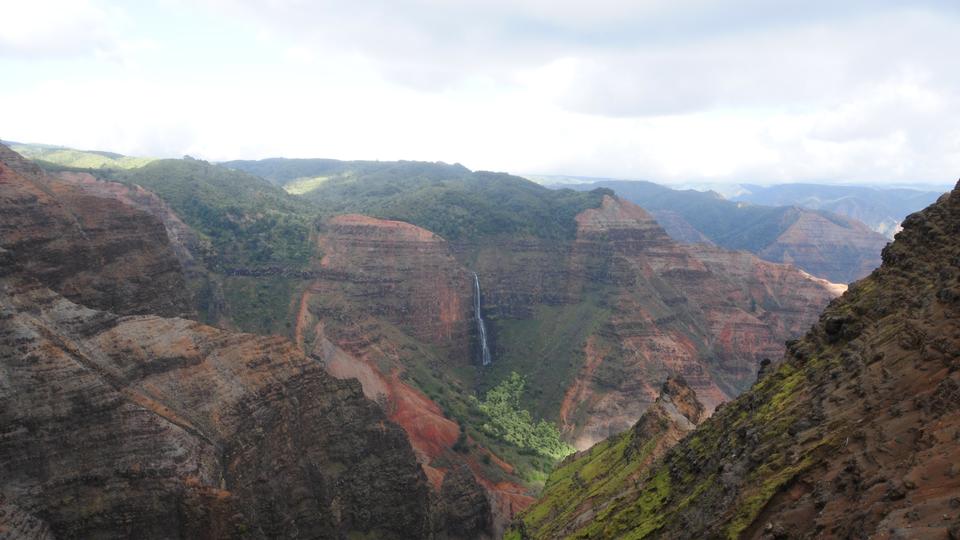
(840,249)
(392,308)
(663,309)
(93,250)
(853,434)
(158,427)
(399,272)
(118,423)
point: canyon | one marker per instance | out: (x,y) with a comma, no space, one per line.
(119,422)
(852,433)
(828,245)
(585,296)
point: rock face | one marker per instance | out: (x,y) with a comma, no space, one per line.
(119,425)
(464,509)
(392,307)
(95,251)
(400,272)
(839,249)
(825,244)
(579,489)
(114,426)
(853,434)
(705,313)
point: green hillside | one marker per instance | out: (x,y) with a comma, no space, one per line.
(250,222)
(449,200)
(83,159)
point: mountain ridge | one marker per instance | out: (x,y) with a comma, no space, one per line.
(852,433)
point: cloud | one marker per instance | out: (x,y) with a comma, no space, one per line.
(686,90)
(54,28)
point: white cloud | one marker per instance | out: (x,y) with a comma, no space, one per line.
(670,91)
(43,28)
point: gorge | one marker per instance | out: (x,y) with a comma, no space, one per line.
(587,304)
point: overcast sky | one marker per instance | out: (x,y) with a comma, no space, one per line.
(674,90)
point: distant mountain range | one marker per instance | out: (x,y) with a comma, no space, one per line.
(881,209)
(822,243)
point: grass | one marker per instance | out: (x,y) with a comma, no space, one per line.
(304,185)
(68,157)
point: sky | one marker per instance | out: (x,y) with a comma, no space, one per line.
(667,90)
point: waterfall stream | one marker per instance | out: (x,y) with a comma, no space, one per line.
(481,326)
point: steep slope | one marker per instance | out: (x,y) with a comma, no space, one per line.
(880,209)
(96,251)
(391,306)
(582,486)
(249,242)
(852,434)
(162,427)
(707,314)
(825,244)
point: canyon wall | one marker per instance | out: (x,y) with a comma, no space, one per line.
(118,422)
(852,433)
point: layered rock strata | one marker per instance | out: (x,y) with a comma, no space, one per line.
(854,433)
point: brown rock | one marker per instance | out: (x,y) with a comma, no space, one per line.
(464,511)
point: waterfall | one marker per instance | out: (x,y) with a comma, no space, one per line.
(481,326)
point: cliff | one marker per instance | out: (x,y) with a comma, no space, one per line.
(638,307)
(837,248)
(853,433)
(392,307)
(118,426)
(580,488)
(825,244)
(95,251)
(123,423)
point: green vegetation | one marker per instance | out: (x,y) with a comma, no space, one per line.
(304,185)
(508,422)
(547,349)
(260,304)
(600,472)
(83,159)
(449,200)
(249,222)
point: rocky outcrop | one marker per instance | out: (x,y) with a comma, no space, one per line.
(93,250)
(114,426)
(121,423)
(463,509)
(400,272)
(580,488)
(702,312)
(852,434)
(185,242)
